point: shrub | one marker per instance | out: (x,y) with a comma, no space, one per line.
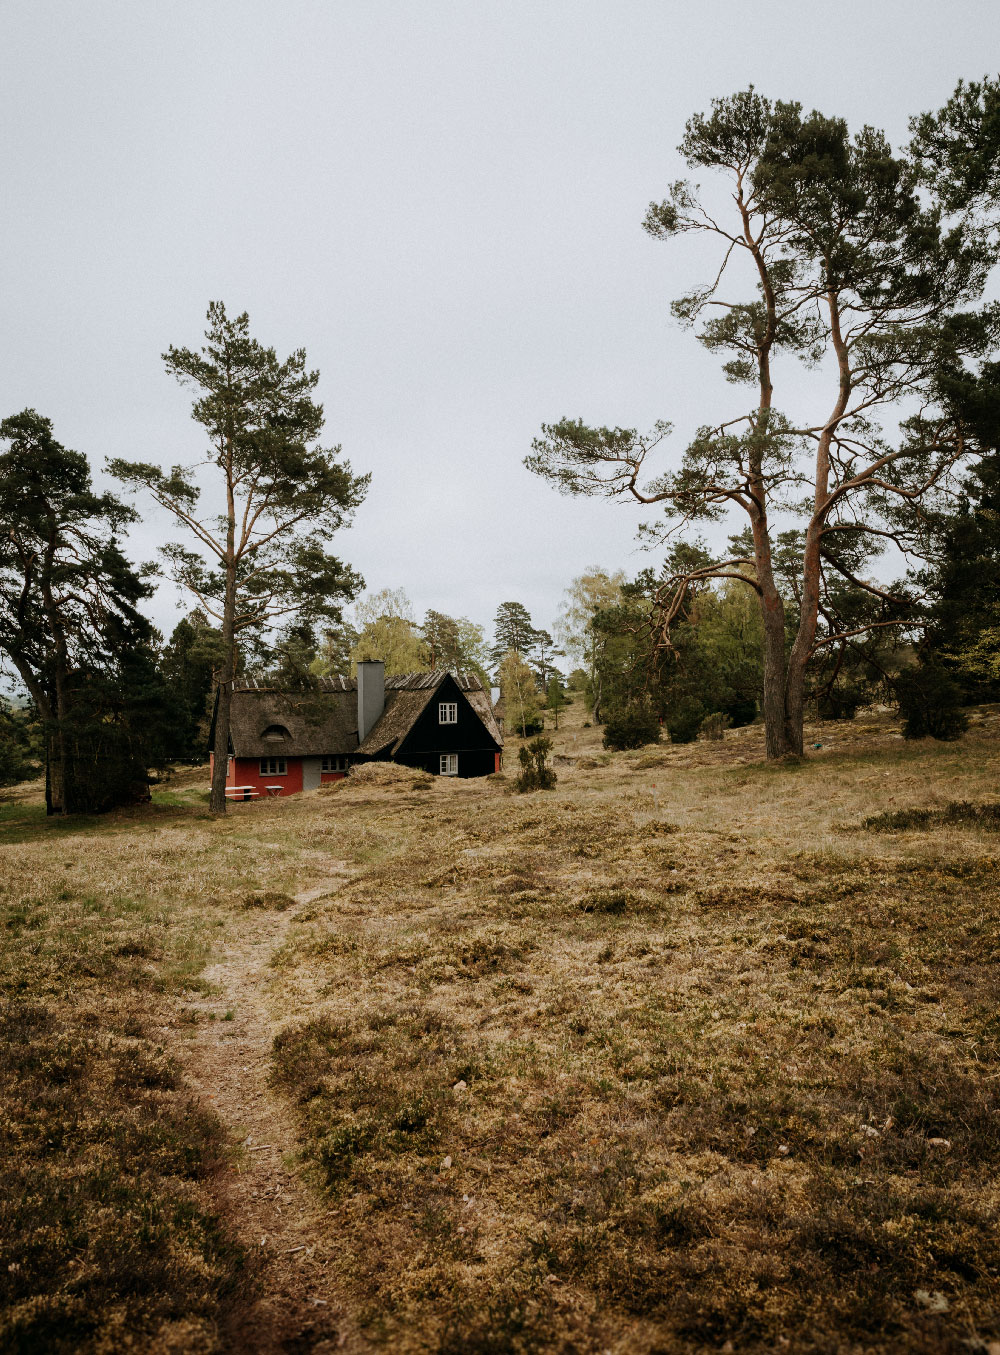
(930,703)
(683,718)
(840,703)
(742,710)
(632,727)
(535,774)
(714,726)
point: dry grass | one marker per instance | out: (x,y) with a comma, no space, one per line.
(675,1056)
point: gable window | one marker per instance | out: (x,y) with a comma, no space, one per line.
(273,766)
(449,764)
(275,734)
(334,764)
(448,713)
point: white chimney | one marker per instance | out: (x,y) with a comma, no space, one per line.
(371,696)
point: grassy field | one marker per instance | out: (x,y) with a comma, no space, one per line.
(691,1053)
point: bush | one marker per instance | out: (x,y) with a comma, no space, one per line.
(632,727)
(714,726)
(535,774)
(742,710)
(930,703)
(683,718)
(840,703)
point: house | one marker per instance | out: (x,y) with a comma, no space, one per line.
(282,741)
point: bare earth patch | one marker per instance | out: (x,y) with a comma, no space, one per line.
(224,1040)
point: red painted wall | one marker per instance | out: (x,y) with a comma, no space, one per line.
(246,772)
(326,777)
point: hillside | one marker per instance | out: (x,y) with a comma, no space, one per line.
(691,1053)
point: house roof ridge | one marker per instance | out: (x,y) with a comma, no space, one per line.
(397,682)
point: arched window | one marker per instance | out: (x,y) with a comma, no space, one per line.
(275,734)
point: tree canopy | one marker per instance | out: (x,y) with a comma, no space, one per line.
(853,260)
(275,498)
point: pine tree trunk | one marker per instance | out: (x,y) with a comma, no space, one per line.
(775,678)
(223,713)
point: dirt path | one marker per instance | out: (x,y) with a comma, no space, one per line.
(226,1053)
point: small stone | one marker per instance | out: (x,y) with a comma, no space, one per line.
(446,1164)
(939,1143)
(933,1300)
(784,1149)
(460,1086)
(871,1131)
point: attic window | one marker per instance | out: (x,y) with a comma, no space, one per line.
(448,713)
(275,734)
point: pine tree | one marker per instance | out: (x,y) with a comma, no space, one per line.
(69,621)
(260,554)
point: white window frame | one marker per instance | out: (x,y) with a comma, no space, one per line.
(273,766)
(333,764)
(447,712)
(449,764)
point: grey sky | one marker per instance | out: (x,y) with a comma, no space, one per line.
(439,201)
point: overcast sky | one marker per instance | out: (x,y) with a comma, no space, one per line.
(440,201)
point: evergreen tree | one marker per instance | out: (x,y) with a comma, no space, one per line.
(333,655)
(456,643)
(69,621)
(21,746)
(189,663)
(512,629)
(260,554)
(964,623)
(846,248)
(555,698)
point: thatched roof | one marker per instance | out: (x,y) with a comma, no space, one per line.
(318,723)
(323,720)
(402,710)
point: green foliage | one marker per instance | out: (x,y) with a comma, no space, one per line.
(390,634)
(555,698)
(69,622)
(519,696)
(714,726)
(333,655)
(535,774)
(21,746)
(632,727)
(713,664)
(276,498)
(873,255)
(190,660)
(930,702)
(458,644)
(512,629)
(291,495)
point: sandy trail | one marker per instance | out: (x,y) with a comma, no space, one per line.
(262,1195)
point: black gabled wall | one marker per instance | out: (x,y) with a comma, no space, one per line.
(469,738)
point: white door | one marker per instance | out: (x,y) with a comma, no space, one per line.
(311,772)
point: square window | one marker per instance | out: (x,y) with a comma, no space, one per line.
(273,766)
(448,713)
(334,764)
(449,764)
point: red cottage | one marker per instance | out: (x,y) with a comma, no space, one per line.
(282,741)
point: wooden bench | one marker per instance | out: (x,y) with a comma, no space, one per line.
(241,792)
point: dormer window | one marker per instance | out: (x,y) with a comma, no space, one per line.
(448,713)
(276,734)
